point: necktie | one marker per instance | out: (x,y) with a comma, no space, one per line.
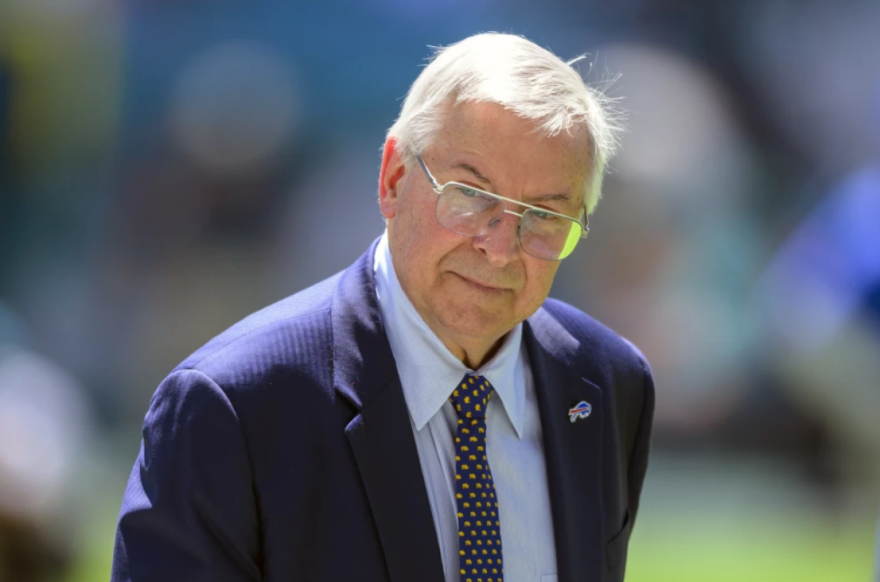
(479,528)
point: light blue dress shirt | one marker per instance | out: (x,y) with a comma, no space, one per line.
(428,374)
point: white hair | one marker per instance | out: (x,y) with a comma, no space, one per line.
(522,77)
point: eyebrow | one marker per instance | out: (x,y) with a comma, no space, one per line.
(545,198)
(474,171)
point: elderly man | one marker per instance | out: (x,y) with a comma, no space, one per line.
(428,414)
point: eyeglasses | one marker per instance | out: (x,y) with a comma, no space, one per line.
(469,211)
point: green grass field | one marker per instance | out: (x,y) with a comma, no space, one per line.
(756,550)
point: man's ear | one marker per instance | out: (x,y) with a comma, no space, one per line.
(390,178)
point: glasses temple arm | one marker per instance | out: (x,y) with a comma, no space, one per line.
(428,173)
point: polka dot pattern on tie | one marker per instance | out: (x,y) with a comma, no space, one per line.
(479,526)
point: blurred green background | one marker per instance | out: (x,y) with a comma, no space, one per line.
(167,167)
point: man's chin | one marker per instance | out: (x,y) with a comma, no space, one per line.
(475,325)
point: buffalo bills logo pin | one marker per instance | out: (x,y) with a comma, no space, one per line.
(582,410)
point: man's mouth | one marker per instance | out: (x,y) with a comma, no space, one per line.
(480,285)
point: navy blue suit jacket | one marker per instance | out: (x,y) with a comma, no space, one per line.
(282,450)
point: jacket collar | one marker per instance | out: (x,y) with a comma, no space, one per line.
(572,448)
(380,434)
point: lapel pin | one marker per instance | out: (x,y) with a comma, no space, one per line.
(582,410)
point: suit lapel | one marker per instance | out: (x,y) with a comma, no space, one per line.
(572,450)
(380,434)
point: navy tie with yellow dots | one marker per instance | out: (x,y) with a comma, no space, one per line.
(479,528)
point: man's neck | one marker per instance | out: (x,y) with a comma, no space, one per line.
(470,353)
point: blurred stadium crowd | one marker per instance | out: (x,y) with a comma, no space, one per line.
(167,167)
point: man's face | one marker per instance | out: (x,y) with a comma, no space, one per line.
(472,290)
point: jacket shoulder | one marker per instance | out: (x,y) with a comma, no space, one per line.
(596,339)
(282,333)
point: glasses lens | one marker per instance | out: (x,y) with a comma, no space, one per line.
(548,236)
(466,210)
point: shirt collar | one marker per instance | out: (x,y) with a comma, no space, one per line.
(428,370)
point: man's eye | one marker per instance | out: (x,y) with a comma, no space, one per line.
(470,192)
(540,214)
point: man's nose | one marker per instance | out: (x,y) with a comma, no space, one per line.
(501,242)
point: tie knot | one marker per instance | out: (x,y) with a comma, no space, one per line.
(471,397)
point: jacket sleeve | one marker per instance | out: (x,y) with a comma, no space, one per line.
(638,463)
(189,511)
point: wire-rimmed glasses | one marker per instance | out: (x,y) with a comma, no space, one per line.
(469,211)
